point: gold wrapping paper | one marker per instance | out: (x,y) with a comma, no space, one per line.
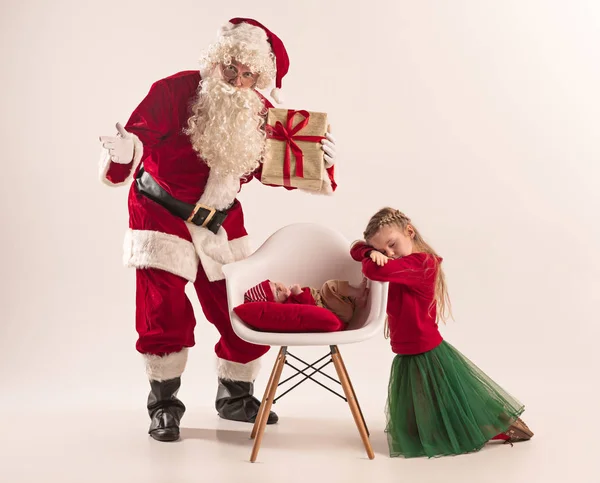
(313,166)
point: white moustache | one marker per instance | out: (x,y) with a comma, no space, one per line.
(235,92)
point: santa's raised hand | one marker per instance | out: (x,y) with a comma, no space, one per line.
(120,147)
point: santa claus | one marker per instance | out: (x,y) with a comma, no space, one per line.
(186,150)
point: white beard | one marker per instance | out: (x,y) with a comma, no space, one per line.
(226,128)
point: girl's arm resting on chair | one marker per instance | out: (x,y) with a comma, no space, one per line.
(360,250)
(409,270)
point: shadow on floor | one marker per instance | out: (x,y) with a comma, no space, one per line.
(293,434)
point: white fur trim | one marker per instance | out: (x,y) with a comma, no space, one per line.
(235,371)
(220,191)
(153,249)
(138,151)
(162,368)
(276,95)
(241,248)
(244,33)
(213,250)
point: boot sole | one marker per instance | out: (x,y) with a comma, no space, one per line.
(167,438)
(251,421)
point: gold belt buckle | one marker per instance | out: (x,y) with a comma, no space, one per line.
(207,219)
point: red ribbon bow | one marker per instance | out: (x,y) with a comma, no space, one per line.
(288,135)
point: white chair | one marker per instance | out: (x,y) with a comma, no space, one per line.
(308,254)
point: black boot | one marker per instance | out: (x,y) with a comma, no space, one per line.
(165,409)
(236,402)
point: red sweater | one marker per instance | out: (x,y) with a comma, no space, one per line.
(304,298)
(411,317)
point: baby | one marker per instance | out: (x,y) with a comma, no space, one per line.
(338,296)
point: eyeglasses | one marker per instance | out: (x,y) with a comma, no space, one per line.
(231,72)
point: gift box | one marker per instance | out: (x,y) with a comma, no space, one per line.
(294,154)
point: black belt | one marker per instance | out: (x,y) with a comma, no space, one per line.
(197,214)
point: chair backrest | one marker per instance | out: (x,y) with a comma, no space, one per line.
(305,253)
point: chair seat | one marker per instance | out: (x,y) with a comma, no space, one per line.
(308,254)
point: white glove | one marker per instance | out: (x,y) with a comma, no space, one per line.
(120,147)
(328,145)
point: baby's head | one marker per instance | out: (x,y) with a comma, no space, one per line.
(280,291)
(392,233)
(267,291)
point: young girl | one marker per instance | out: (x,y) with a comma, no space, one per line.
(439,402)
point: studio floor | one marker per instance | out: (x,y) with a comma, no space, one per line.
(308,444)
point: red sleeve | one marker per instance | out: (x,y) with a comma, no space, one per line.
(330,173)
(151,121)
(304,298)
(360,250)
(154,119)
(412,270)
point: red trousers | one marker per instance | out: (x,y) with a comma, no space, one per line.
(165,319)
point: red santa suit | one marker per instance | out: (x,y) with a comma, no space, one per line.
(169,252)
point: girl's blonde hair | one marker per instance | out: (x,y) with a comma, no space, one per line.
(390,216)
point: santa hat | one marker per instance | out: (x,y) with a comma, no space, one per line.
(282,61)
(260,293)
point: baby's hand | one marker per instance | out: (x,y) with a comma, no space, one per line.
(378,257)
(296,289)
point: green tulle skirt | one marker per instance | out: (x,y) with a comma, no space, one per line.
(440,403)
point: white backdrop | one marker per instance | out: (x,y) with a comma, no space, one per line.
(479,119)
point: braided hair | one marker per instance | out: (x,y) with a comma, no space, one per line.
(391,217)
(385,216)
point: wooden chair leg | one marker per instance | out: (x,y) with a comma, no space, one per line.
(354,394)
(261,410)
(268,403)
(352,402)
